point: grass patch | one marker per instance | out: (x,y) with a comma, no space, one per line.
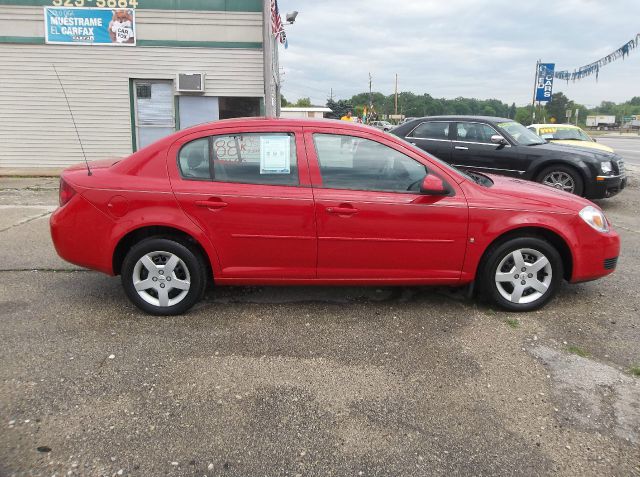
(513,322)
(579,351)
(635,371)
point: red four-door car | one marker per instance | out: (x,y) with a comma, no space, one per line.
(300,202)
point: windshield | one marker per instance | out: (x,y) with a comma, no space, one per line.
(563,134)
(522,135)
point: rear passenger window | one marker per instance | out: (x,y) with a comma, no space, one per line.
(251,158)
(194,160)
(431,130)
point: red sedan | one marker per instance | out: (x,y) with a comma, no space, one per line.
(301,202)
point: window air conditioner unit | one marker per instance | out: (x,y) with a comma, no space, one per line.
(190,83)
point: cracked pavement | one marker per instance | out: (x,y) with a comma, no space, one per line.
(310,381)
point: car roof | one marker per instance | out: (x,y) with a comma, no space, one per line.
(555,125)
(491,119)
(264,121)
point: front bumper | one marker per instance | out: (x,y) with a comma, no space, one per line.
(596,255)
(607,186)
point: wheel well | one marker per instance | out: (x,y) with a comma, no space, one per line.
(553,238)
(137,235)
(545,165)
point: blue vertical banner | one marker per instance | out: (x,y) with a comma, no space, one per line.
(90,26)
(544,81)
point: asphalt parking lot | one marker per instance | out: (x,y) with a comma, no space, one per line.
(310,381)
(626,146)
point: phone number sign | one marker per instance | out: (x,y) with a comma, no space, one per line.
(90,26)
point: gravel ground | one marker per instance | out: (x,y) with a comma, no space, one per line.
(310,381)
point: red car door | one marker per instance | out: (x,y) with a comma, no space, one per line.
(249,190)
(373,223)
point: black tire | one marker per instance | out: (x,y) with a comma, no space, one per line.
(560,170)
(500,257)
(190,269)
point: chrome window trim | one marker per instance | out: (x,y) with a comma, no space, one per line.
(429,139)
(485,143)
(488,168)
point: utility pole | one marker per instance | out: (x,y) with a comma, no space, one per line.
(396,97)
(267,51)
(331,94)
(370,94)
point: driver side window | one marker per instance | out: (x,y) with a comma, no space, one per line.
(348,162)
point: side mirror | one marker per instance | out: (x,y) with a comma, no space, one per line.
(433,185)
(594,139)
(498,139)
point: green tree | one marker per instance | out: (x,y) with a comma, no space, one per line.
(512,111)
(488,111)
(557,108)
(303,103)
(523,115)
(607,107)
(339,108)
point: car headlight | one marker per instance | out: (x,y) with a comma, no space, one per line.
(595,218)
(606,167)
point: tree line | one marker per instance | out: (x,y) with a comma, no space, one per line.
(417,105)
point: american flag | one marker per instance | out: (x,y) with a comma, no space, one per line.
(276,24)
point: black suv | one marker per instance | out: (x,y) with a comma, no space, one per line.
(503,146)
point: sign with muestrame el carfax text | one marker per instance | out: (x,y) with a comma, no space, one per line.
(90,26)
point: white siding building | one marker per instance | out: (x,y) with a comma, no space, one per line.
(123,96)
(306,113)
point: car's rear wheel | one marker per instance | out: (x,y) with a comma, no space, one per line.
(521,274)
(163,277)
(563,178)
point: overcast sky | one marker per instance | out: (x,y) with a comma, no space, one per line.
(450,48)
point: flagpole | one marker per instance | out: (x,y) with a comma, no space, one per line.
(267,57)
(533,101)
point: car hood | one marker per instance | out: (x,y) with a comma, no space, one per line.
(583,152)
(513,193)
(586,144)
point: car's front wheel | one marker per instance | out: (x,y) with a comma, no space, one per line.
(521,274)
(163,277)
(563,178)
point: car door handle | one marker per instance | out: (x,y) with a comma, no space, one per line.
(211,204)
(461,148)
(342,210)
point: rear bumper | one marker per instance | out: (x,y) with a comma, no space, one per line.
(596,257)
(605,186)
(80,235)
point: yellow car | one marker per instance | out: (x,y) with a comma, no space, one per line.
(567,134)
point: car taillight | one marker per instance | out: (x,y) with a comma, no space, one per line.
(66,192)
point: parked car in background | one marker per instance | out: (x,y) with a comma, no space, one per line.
(382,125)
(567,134)
(285,202)
(503,146)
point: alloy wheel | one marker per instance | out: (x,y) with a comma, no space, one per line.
(161,278)
(560,180)
(523,276)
